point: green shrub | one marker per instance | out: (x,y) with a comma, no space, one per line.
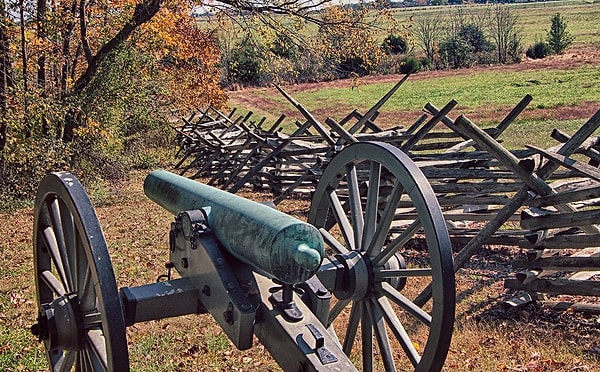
(538,50)
(27,161)
(475,37)
(515,49)
(394,44)
(410,65)
(350,65)
(244,66)
(457,53)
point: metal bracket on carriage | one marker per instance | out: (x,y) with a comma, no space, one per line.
(228,289)
(283,299)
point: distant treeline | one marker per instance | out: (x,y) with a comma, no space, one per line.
(459,38)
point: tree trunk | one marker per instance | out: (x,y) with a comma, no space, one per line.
(6,81)
(41,62)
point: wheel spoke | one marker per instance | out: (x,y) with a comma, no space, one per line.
(387,217)
(91,320)
(352,329)
(82,267)
(70,236)
(398,330)
(402,273)
(341,218)
(356,211)
(332,242)
(54,284)
(66,361)
(380,200)
(80,362)
(56,213)
(336,310)
(381,335)
(71,256)
(367,338)
(87,294)
(78,262)
(397,243)
(393,294)
(54,250)
(97,349)
(372,203)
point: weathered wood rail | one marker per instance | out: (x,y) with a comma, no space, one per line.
(543,201)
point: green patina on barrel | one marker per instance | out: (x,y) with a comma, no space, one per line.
(269,240)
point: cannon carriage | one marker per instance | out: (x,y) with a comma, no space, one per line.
(339,293)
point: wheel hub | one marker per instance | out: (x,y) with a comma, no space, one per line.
(60,324)
(352,275)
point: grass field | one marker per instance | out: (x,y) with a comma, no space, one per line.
(562,96)
(565,88)
(533,18)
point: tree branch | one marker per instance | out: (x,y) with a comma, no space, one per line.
(143,13)
(83,27)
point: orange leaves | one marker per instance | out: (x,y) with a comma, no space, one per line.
(186,54)
(174,33)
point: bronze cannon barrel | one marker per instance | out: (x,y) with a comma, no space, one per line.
(272,242)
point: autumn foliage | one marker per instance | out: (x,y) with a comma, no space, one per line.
(81,81)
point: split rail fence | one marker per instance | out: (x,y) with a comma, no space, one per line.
(542,200)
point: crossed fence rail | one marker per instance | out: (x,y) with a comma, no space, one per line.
(544,201)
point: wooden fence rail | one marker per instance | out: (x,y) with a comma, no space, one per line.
(544,201)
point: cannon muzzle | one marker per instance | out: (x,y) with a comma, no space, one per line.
(272,242)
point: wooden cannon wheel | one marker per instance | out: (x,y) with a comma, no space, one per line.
(354,206)
(80,319)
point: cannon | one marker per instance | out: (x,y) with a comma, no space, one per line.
(340,292)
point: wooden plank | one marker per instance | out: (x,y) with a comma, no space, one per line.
(455,216)
(259,166)
(586,130)
(473,200)
(535,182)
(309,117)
(577,166)
(373,110)
(588,148)
(557,286)
(416,124)
(509,160)
(369,125)
(445,119)
(433,146)
(475,187)
(491,240)
(472,155)
(570,196)
(573,307)
(467,174)
(276,125)
(341,131)
(558,220)
(562,263)
(502,126)
(573,241)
